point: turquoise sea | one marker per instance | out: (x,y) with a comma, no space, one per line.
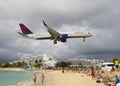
(11,78)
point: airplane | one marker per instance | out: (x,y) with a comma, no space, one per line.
(52,34)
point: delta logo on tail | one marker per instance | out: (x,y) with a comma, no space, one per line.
(24,29)
(52,34)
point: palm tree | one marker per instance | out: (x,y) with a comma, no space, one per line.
(24,64)
(63,64)
(38,63)
(6,65)
(0,65)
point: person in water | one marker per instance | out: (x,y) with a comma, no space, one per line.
(42,78)
(34,78)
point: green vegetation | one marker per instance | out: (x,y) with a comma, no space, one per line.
(0,65)
(63,64)
(38,63)
(14,65)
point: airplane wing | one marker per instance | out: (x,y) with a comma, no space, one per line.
(54,34)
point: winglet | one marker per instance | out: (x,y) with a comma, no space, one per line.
(44,23)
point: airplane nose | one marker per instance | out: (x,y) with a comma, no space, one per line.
(91,35)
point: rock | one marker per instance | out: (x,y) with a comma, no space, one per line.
(98,81)
(106,79)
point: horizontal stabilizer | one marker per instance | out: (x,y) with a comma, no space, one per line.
(23,35)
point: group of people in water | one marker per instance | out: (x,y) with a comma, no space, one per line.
(42,78)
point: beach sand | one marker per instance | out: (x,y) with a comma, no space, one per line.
(72,79)
(57,78)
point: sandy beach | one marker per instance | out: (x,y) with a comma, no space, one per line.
(72,79)
(57,78)
(68,78)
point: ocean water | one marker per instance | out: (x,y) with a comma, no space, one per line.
(11,78)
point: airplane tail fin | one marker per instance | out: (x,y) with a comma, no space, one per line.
(24,29)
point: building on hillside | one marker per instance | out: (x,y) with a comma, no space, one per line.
(85,62)
(47,60)
(30,60)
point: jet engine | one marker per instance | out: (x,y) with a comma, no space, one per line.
(64,37)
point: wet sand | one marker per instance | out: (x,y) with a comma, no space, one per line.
(47,81)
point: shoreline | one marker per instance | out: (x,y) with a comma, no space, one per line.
(12,69)
(20,69)
(57,78)
(38,81)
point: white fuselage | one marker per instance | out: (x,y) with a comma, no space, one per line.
(70,35)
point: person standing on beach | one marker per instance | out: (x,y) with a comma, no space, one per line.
(81,67)
(116,80)
(92,73)
(34,78)
(42,78)
(113,69)
(63,70)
